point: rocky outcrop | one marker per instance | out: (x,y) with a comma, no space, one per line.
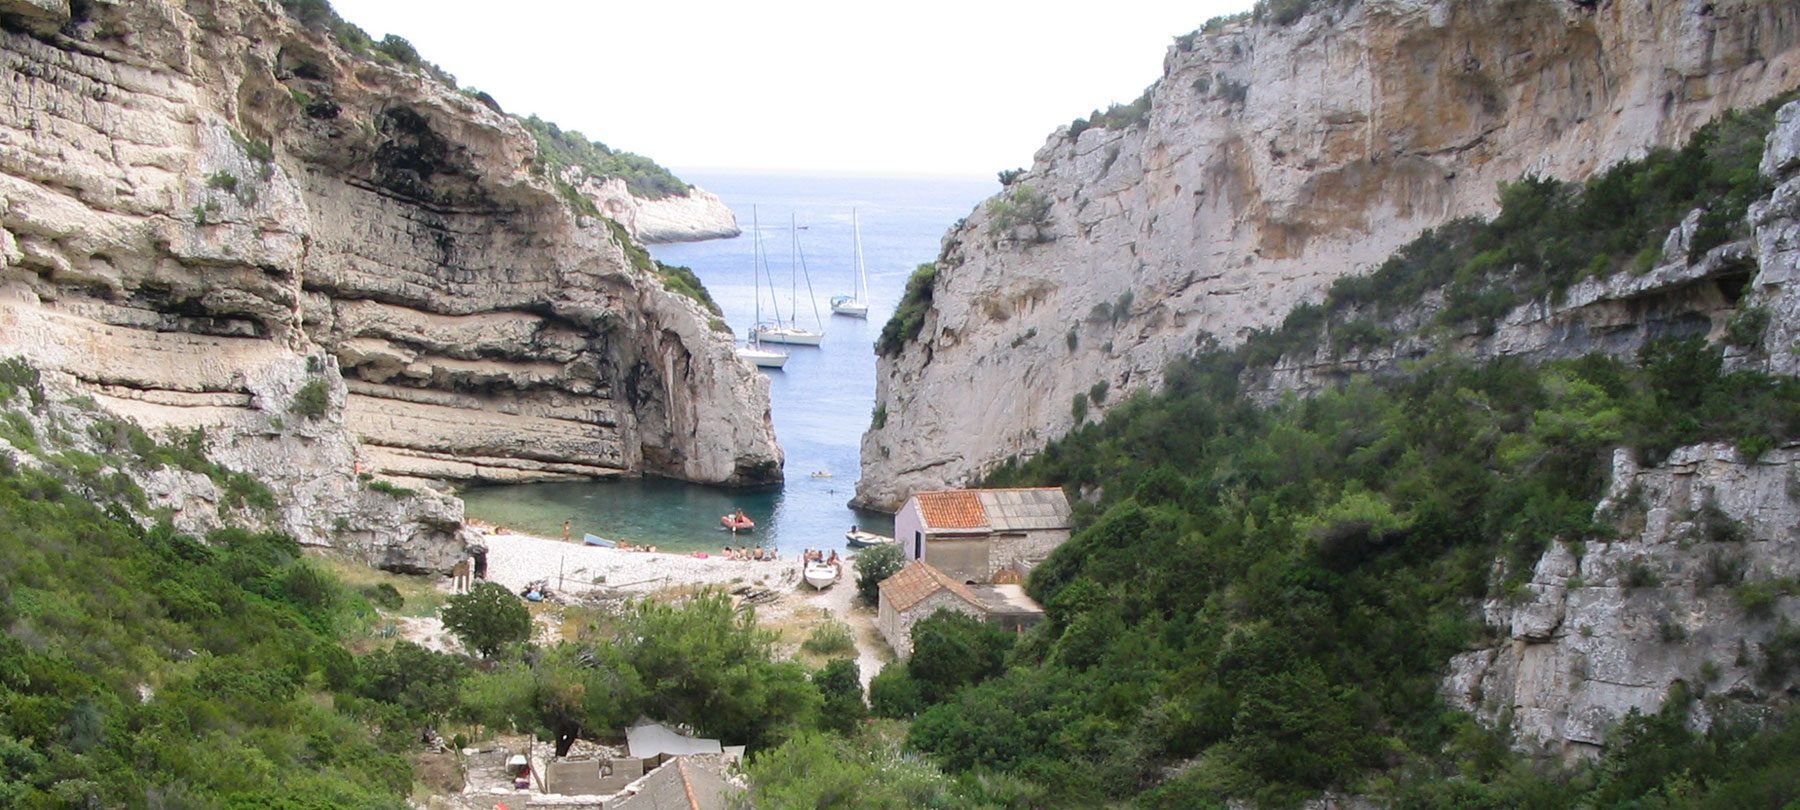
(1692,602)
(1696,597)
(693,217)
(197,199)
(1272,161)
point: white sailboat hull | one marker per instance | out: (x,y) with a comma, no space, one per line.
(851,307)
(790,335)
(762,358)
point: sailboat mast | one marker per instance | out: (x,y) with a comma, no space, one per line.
(862,275)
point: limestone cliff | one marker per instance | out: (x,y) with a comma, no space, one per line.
(208,207)
(1694,596)
(693,217)
(1272,161)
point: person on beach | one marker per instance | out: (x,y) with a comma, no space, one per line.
(565,531)
(757,555)
(834,557)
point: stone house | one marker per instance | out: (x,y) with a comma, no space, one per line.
(973,534)
(920,590)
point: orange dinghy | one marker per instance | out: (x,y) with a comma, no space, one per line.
(738,522)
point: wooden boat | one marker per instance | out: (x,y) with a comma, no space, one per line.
(597,540)
(821,575)
(737,522)
(857,538)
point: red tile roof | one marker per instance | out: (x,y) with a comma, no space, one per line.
(952,509)
(919,580)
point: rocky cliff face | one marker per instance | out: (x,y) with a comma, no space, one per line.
(1274,160)
(1696,597)
(205,208)
(698,216)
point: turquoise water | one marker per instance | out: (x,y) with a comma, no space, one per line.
(820,402)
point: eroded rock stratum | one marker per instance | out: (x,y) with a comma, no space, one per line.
(206,206)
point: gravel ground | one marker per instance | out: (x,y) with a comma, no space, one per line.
(517,560)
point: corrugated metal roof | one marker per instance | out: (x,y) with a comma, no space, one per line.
(919,580)
(1025,509)
(647,740)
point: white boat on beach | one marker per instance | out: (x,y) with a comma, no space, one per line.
(821,575)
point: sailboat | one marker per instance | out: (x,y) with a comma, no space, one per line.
(856,305)
(754,352)
(791,332)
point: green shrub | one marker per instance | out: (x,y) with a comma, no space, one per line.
(909,316)
(312,399)
(1747,326)
(1021,206)
(487,618)
(223,180)
(390,488)
(873,565)
(559,149)
(831,638)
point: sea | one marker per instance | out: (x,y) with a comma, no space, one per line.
(820,402)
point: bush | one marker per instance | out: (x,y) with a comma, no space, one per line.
(873,565)
(312,400)
(1022,206)
(831,638)
(559,149)
(487,618)
(909,316)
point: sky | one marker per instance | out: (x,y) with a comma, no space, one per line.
(958,88)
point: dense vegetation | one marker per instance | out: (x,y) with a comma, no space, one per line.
(141,668)
(559,149)
(1261,600)
(909,316)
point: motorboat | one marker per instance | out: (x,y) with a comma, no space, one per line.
(821,575)
(857,538)
(597,540)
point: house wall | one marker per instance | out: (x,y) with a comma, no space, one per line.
(963,558)
(1028,548)
(903,622)
(909,523)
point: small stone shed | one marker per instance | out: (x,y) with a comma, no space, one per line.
(973,534)
(920,590)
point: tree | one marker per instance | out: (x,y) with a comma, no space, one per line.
(488,618)
(952,650)
(840,683)
(874,565)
